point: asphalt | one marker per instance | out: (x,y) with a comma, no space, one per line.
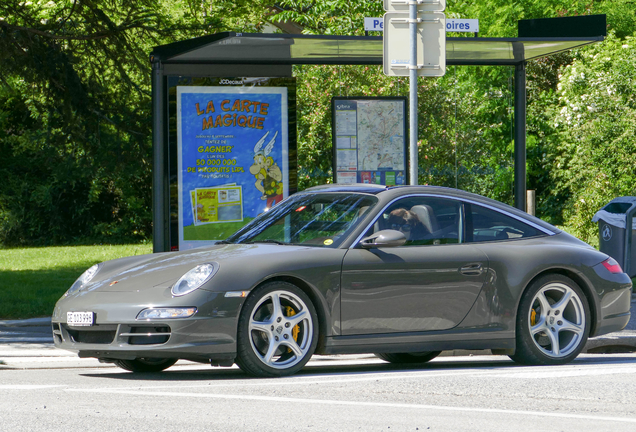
(28,344)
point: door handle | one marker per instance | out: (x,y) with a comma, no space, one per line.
(472,269)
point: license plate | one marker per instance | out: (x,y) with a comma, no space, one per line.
(81,319)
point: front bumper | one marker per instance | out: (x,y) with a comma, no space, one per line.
(210,334)
(190,340)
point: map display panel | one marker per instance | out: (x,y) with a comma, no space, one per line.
(369,140)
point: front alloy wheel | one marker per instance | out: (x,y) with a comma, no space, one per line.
(277,331)
(553,322)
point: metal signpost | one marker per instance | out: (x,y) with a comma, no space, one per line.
(426,55)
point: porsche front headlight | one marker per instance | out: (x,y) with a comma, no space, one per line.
(194,279)
(83,279)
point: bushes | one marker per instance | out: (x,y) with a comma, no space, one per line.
(595,153)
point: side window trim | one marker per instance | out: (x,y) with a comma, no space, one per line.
(469,218)
(463,216)
(467,221)
(511,215)
(460,203)
(461,235)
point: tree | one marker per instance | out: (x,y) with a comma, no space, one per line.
(595,155)
(75,114)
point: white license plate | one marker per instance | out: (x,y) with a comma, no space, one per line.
(80,318)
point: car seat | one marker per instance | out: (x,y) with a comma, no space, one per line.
(426,215)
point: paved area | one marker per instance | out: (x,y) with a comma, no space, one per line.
(28,344)
(595,392)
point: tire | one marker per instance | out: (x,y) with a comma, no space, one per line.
(277,331)
(421,357)
(553,322)
(145,364)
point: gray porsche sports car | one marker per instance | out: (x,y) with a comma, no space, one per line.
(402,272)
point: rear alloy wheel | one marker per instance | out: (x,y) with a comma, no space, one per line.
(421,357)
(145,364)
(277,331)
(553,322)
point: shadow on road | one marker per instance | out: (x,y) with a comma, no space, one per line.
(325,369)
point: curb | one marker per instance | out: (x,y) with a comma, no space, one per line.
(32,322)
(612,343)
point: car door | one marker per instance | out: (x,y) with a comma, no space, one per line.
(429,283)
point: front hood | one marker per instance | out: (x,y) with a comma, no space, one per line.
(162,270)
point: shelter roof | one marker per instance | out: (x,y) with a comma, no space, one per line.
(288,49)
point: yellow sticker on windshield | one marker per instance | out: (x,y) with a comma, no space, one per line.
(328,242)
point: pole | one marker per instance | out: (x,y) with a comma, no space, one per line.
(530,198)
(520,136)
(159,238)
(413,163)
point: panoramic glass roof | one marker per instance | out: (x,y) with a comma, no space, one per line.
(237,48)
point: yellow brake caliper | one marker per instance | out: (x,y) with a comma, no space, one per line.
(533,317)
(296,329)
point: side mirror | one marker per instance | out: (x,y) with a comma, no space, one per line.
(384,238)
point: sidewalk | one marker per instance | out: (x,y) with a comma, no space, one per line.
(618,342)
(28,344)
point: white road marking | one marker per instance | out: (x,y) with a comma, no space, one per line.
(566,373)
(281,400)
(516,372)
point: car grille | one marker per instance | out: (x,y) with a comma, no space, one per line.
(98,334)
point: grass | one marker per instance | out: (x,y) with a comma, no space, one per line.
(33,279)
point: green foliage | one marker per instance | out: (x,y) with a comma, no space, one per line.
(330,17)
(595,155)
(75,113)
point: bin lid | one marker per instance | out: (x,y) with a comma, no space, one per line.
(615,212)
(614,219)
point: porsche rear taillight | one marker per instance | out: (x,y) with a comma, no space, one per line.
(612,265)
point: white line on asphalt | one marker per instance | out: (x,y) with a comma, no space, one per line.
(521,372)
(566,373)
(281,400)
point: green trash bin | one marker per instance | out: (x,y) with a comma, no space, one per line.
(614,238)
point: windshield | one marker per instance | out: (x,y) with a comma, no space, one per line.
(322,220)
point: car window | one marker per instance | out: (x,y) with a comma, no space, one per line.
(308,219)
(423,220)
(489,225)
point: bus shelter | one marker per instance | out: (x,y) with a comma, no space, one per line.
(246,55)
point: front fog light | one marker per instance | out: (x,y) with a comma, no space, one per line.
(166,313)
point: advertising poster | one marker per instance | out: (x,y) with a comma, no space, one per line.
(369,137)
(232,157)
